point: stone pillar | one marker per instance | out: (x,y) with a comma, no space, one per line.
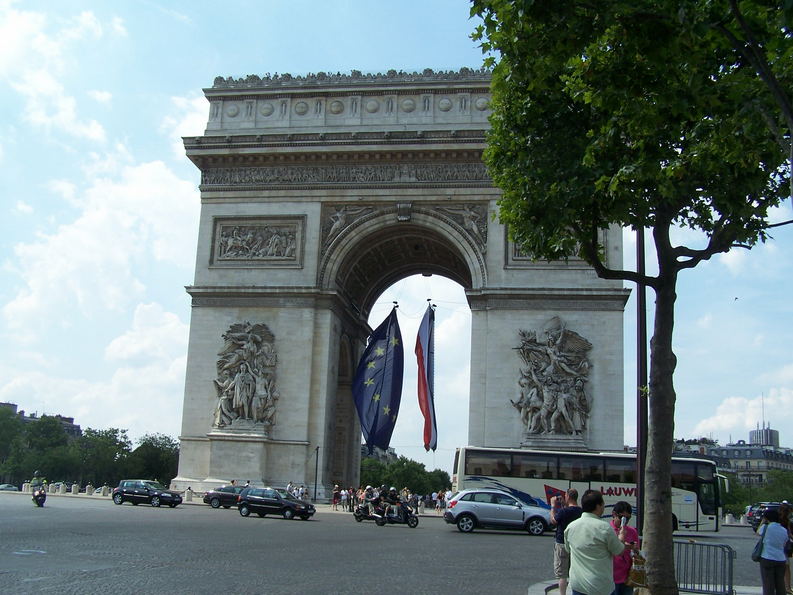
(75,488)
(89,490)
(105,490)
(26,487)
(62,488)
(188,495)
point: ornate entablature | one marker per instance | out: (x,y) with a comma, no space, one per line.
(395,99)
(245,382)
(516,257)
(552,396)
(258,241)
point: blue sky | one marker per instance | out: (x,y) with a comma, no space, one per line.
(99,211)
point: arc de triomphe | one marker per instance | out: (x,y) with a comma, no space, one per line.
(317,194)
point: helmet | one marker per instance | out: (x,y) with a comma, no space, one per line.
(368,487)
(36,473)
(392,489)
(382,487)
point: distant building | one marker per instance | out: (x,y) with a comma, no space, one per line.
(72,429)
(751,462)
(384,456)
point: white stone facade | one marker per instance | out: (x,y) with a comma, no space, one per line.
(320,192)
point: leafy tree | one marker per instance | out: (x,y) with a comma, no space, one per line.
(617,114)
(372,472)
(104,456)
(45,434)
(10,442)
(407,473)
(156,457)
(439,479)
(778,486)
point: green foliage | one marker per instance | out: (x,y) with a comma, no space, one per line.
(777,487)
(156,457)
(104,456)
(372,472)
(440,480)
(45,434)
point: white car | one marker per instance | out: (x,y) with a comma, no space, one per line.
(496,510)
(7,487)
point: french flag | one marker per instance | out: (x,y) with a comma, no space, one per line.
(425,354)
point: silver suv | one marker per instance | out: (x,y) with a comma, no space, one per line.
(495,509)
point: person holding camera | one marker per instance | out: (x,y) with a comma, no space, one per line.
(620,516)
(564,511)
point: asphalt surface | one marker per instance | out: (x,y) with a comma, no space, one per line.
(85,544)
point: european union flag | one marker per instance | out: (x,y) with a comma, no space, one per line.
(377,387)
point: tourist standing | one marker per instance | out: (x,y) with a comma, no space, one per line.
(564,511)
(592,545)
(772,556)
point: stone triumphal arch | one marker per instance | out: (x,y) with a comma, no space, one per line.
(319,192)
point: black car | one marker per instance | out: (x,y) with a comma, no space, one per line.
(264,501)
(145,491)
(757,514)
(225,496)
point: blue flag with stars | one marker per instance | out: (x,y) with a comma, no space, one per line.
(377,387)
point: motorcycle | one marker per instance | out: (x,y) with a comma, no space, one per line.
(406,517)
(361,513)
(39,496)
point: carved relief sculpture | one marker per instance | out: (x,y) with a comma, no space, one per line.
(552,399)
(338,220)
(245,382)
(257,241)
(473,219)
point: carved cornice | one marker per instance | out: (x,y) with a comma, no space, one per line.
(568,299)
(355,78)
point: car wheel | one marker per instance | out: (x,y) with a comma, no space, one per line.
(244,510)
(155,501)
(117,499)
(215,502)
(289,514)
(466,523)
(535,526)
(413,522)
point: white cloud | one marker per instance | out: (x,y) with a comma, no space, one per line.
(147,211)
(100,96)
(705,321)
(118,26)
(738,415)
(190,120)
(735,260)
(155,336)
(22,207)
(31,61)
(64,188)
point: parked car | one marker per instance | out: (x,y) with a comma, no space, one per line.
(225,496)
(264,501)
(7,487)
(495,509)
(755,516)
(145,491)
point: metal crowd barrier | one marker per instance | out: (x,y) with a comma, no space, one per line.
(704,567)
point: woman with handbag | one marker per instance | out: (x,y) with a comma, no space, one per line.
(772,555)
(621,514)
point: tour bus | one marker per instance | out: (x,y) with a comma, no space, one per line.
(536,476)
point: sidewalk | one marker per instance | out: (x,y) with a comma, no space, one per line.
(551,588)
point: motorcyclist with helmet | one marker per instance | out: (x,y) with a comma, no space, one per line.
(372,499)
(392,500)
(37,480)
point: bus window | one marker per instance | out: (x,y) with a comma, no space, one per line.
(683,476)
(540,466)
(707,498)
(705,472)
(580,469)
(488,463)
(621,470)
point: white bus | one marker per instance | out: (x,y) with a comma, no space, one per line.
(535,476)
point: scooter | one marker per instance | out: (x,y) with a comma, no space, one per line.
(39,496)
(406,517)
(361,513)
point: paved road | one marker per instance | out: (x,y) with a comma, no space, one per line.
(88,545)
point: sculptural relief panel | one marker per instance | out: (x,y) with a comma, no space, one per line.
(552,388)
(246,379)
(260,242)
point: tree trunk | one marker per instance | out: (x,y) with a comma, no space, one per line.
(658,543)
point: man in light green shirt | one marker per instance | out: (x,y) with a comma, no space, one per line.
(592,544)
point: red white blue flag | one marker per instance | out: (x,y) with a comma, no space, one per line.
(425,354)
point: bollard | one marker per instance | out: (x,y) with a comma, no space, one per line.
(89,490)
(105,490)
(62,488)
(421,507)
(26,487)
(188,495)
(75,488)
